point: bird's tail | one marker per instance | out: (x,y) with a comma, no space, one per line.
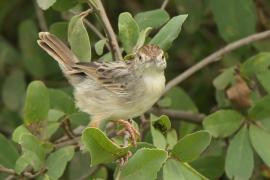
(58,50)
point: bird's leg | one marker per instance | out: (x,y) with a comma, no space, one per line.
(128,127)
(95,122)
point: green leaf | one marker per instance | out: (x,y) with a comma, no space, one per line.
(60,100)
(230,22)
(260,142)
(159,126)
(169,32)
(176,170)
(37,103)
(223,123)
(154,18)
(224,79)
(191,146)
(45,4)
(79,166)
(128,31)
(256,64)
(8,153)
(186,103)
(263,78)
(57,161)
(142,37)
(158,138)
(186,128)
(79,118)
(49,130)
(171,138)
(19,132)
(33,151)
(239,159)
(144,165)
(261,109)
(101,148)
(14,90)
(162,123)
(222,99)
(195,10)
(99,46)
(165,102)
(64,5)
(60,30)
(141,145)
(33,62)
(78,37)
(55,115)
(8,54)
(210,166)
(22,163)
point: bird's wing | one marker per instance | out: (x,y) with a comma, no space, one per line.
(115,76)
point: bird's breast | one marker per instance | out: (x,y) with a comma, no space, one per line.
(152,87)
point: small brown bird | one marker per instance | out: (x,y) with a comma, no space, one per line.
(115,90)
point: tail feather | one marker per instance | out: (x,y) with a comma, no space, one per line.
(58,50)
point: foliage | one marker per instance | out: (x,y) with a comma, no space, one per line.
(43,134)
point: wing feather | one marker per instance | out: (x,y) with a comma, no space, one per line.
(114,76)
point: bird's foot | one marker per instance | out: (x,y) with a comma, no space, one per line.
(123,160)
(130,129)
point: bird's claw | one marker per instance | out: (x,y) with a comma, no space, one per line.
(132,131)
(123,160)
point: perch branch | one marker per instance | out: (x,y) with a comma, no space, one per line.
(41,19)
(215,57)
(164,4)
(101,13)
(75,141)
(7,170)
(26,174)
(183,115)
(67,128)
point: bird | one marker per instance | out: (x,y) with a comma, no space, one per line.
(114,90)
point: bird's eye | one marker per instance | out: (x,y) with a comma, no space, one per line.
(163,57)
(140,58)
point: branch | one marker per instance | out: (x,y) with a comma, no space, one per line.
(215,57)
(100,11)
(75,141)
(40,17)
(67,128)
(183,115)
(7,170)
(164,4)
(24,174)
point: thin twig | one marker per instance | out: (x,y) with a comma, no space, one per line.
(94,29)
(67,128)
(24,174)
(216,56)
(97,32)
(33,176)
(7,170)
(164,4)
(183,115)
(40,17)
(75,141)
(101,13)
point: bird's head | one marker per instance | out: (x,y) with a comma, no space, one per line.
(151,57)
